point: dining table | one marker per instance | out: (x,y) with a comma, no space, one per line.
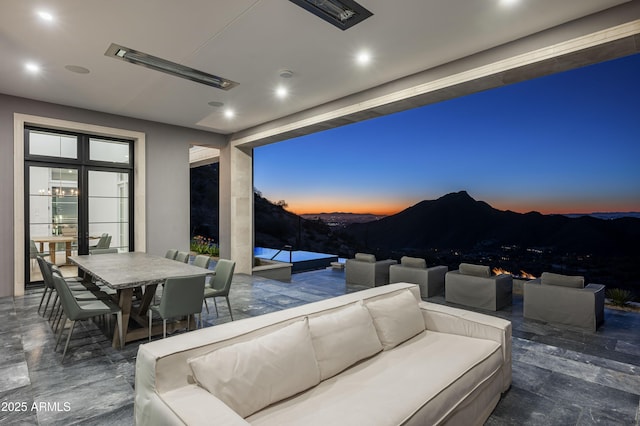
(135,272)
(53,240)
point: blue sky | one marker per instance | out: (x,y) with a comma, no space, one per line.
(565,143)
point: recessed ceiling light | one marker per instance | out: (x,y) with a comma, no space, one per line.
(282,92)
(229,113)
(508,2)
(215,104)
(45,16)
(32,67)
(77,69)
(363,58)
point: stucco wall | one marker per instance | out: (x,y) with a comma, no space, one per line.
(167,175)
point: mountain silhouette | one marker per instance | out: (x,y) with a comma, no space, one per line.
(457,221)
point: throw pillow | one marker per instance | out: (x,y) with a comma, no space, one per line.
(413,262)
(574,281)
(364,257)
(475,270)
(342,338)
(396,318)
(251,375)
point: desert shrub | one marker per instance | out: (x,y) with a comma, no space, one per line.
(619,297)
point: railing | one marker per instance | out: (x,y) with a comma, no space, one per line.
(286,247)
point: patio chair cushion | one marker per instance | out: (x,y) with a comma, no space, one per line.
(549,278)
(413,262)
(249,376)
(364,257)
(475,270)
(342,338)
(396,318)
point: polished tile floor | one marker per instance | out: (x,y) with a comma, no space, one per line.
(560,376)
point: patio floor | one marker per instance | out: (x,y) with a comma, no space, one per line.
(561,376)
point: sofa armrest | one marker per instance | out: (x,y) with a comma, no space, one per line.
(195,406)
(450,320)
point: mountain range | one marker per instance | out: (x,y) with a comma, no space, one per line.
(457,221)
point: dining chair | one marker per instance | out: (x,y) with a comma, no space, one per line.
(46,270)
(103,250)
(73,311)
(33,252)
(183,257)
(181,296)
(171,254)
(202,260)
(101,242)
(220,284)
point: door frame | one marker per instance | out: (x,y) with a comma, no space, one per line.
(139,181)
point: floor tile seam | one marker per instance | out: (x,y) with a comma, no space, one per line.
(597,371)
(592,359)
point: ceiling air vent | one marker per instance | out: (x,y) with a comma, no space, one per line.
(168,67)
(341,13)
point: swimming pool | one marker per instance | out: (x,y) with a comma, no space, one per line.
(301,260)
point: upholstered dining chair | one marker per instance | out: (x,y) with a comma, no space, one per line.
(181,296)
(202,261)
(74,310)
(171,254)
(183,257)
(220,284)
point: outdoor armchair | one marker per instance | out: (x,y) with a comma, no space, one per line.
(474,286)
(415,271)
(563,299)
(364,269)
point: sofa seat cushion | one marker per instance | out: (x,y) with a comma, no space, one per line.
(475,270)
(365,257)
(413,262)
(251,375)
(572,281)
(430,373)
(342,338)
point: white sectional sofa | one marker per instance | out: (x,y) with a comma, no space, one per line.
(375,357)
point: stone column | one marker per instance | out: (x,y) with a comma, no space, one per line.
(236,206)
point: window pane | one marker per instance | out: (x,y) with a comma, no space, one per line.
(109,151)
(109,206)
(52,144)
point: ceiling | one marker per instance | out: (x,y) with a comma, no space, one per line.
(249,42)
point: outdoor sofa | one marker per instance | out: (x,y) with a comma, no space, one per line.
(375,357)
(563,299)
(474,286)
(414,270)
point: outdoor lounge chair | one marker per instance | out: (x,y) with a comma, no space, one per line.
(563,299)
(364,269)
(474,286)
(414,270)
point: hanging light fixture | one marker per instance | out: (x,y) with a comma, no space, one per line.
(343,14)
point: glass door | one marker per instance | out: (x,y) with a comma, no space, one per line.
(53,215)
(108,209)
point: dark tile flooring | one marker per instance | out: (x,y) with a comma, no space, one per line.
(561,376)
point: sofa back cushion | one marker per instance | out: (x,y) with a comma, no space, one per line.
(251,375)
(342,338)
(397,318)
(475,270)
(413,262)
(574,281)
(364,257)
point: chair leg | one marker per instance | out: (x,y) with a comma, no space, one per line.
(73,324)
(46,305)
(164,328)
(44,293)
(150,321)
(60,333)
(216,305)
(229,306)
(206,305)
(53,307)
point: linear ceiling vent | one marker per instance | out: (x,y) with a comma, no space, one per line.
(159,64)
(341,13)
